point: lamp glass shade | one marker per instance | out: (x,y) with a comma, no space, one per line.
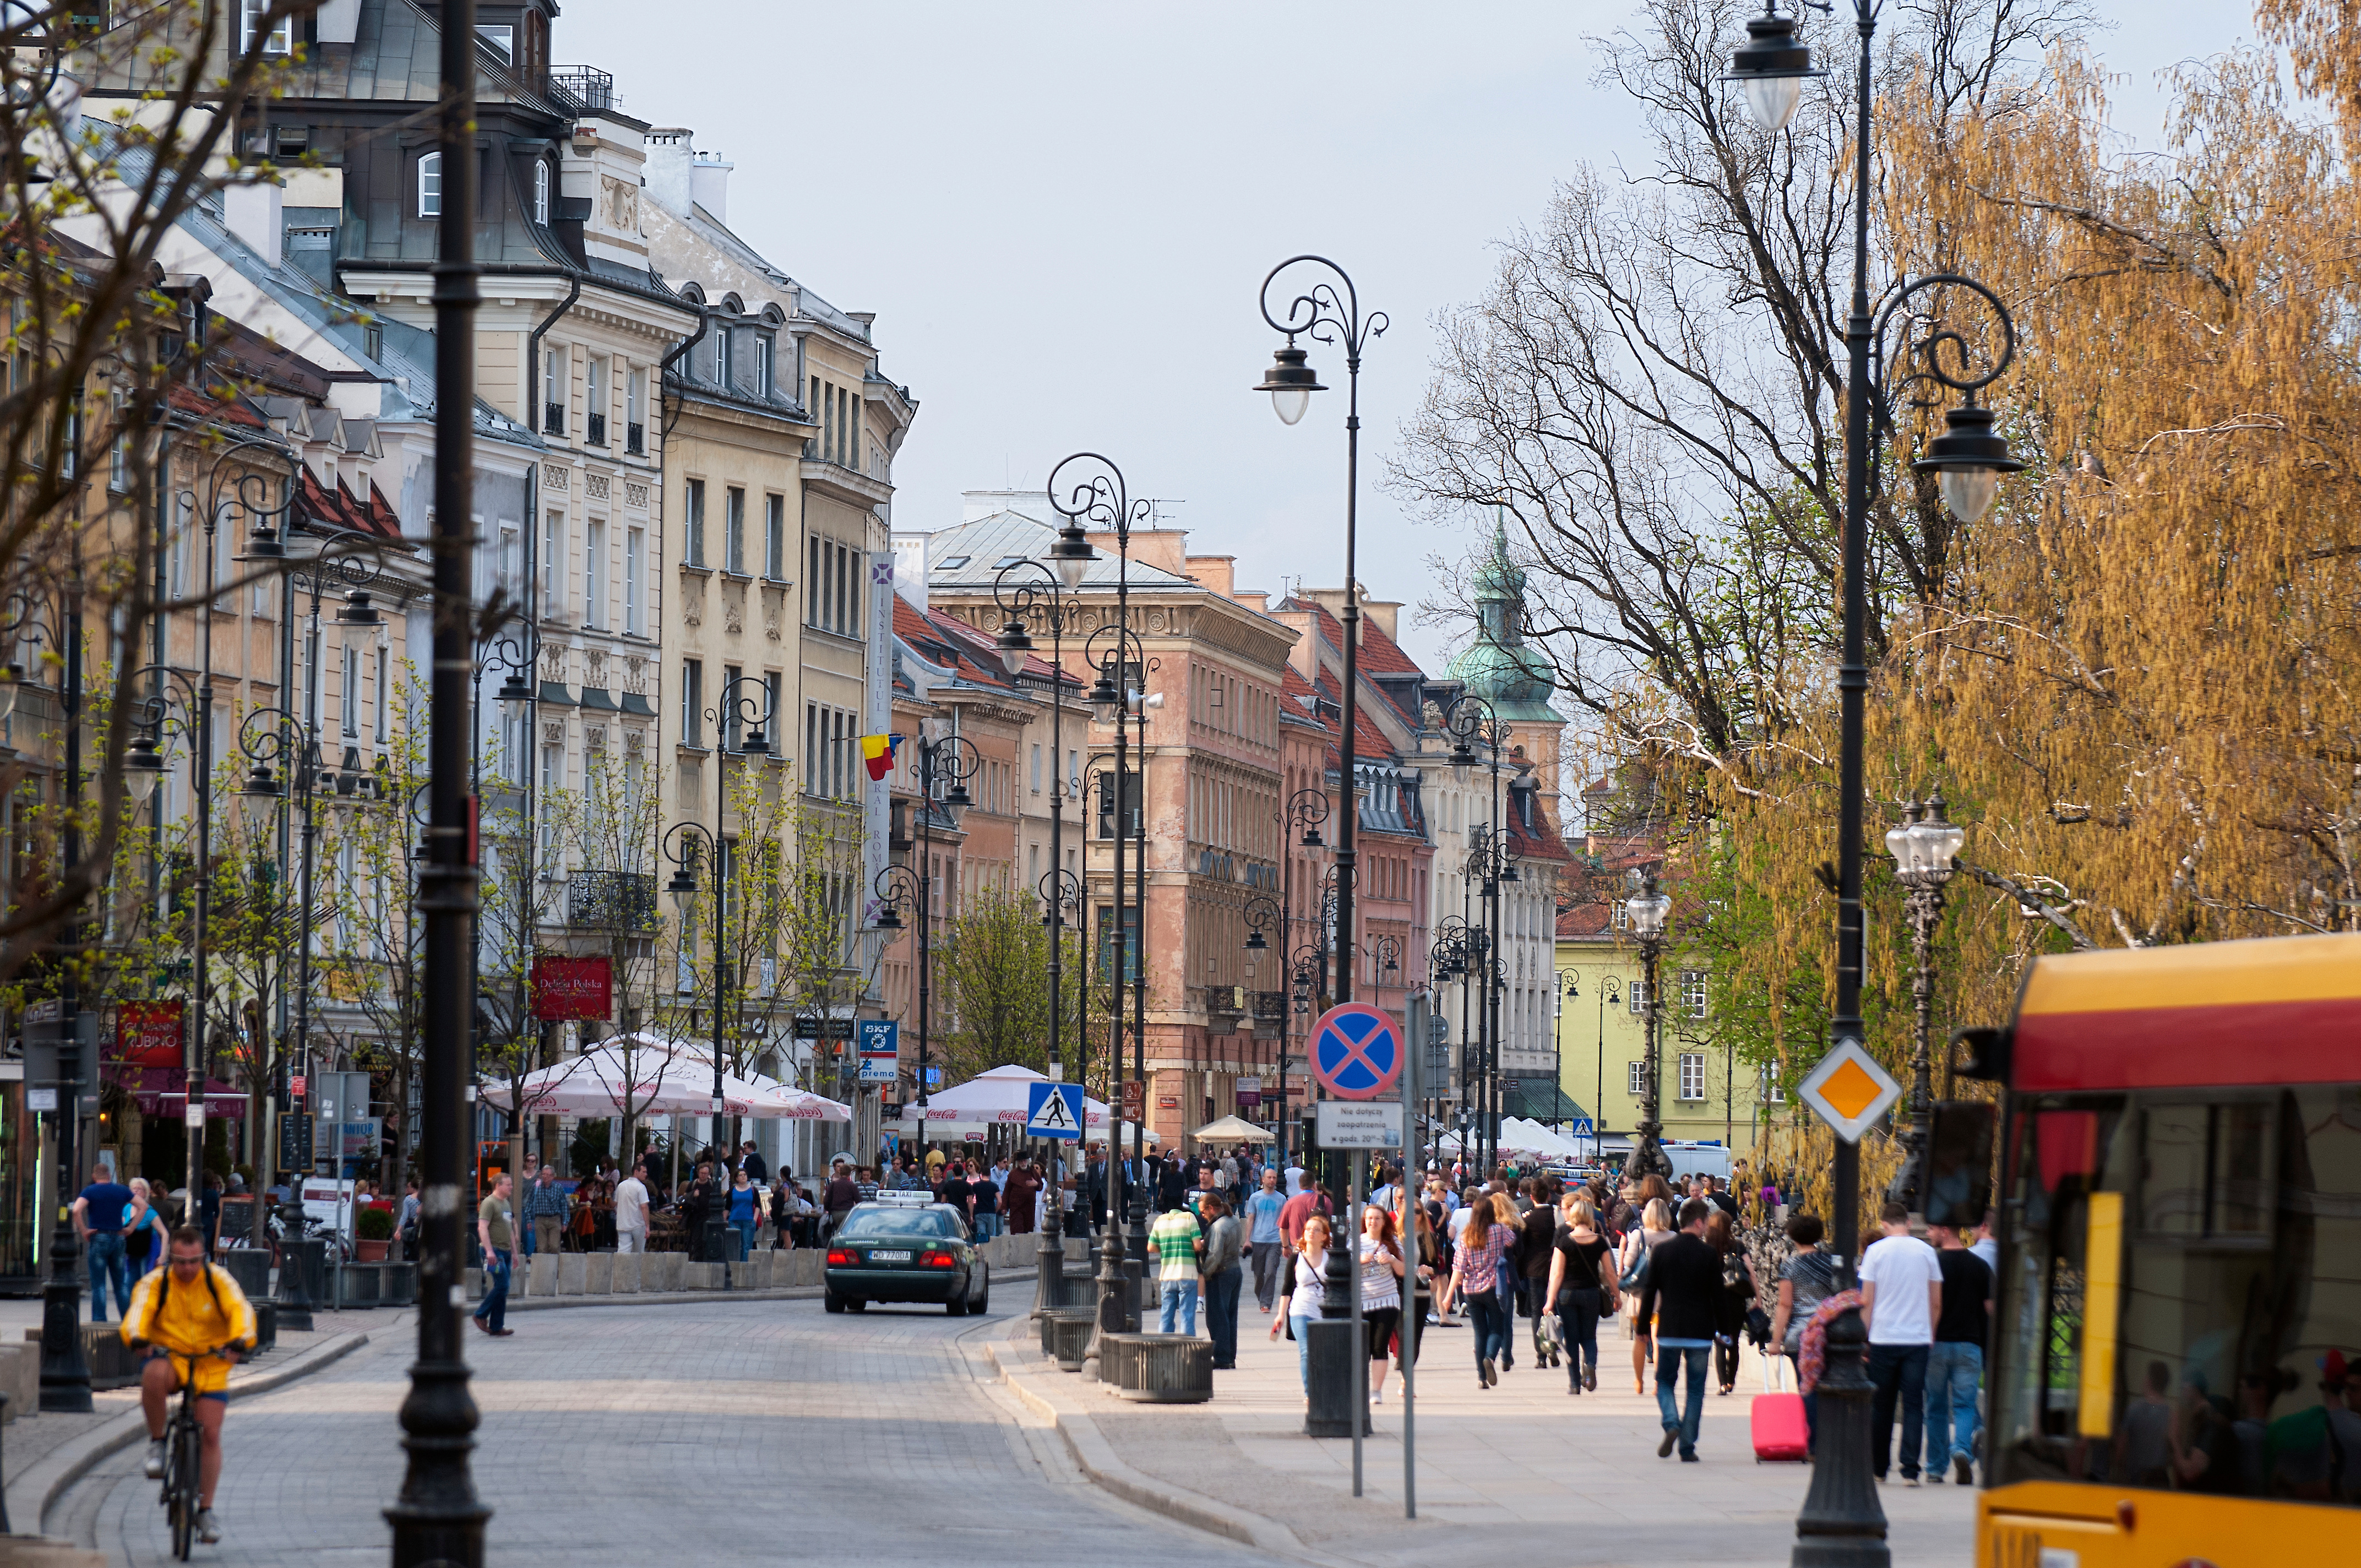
(683,889)
(1773,100)
(12,681)
(1648,912)
(261,783)
(1898,845)
(1014,644)
(1943,842)
(1969,492)
(1071,557)
(1291,403)
(514,691)
(140,784)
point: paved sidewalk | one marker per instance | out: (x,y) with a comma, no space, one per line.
(1531,1466)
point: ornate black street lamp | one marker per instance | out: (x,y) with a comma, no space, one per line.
(1647,909)
(1841,1520)
(943,766)
(742,700)
(1923,849)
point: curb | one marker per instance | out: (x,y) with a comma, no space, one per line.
(1097,1460)
(31,1494)
(657,1298)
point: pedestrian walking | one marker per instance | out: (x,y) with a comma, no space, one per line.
(1222,1277)
(144,1232)
(1902,1297)
(1679,1298)
(1955,1366)
(1737,1293)
(1631,1266)
(496,1233)
(632,1211)
(1264,1242)
(984,1190)
(1476,1279)
(1382,1266)
(1175,1239)
(544,1210)
(1307,1267)
(745,1213)
(1806,1280)
(99,1212)
(1537,1245)
(1581,1289)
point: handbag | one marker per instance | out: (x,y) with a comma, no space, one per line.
(1635,1278)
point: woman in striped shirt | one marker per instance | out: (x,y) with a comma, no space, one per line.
(1476,1278)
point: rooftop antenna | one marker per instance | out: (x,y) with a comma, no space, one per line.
(1156,510)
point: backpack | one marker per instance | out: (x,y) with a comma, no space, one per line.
(1733,1272)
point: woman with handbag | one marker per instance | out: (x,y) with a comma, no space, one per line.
(1581,1290)
(1806,1280)
(1304,1284)
(1737,1292)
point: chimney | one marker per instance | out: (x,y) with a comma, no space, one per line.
(709,184)
(253,214)
(669,158)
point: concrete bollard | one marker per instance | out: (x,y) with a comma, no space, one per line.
(573,1273)
(541,1278)
(662,1271)
(624,1272)
(598,1273)
(700,1276)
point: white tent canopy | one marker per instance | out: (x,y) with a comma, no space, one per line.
(648,1079)
(1233,1130)
(1002,1096)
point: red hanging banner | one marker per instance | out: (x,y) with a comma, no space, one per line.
(567,989)
(147,1033)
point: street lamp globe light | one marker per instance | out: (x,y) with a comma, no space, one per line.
(143,768)
(1648,909)
(1290,383)
(683,888)
(1015,646)
(1072,555)
(1771,69)
(513,691)
(1968,460)
(12,681)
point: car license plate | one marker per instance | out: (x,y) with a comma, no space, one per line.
(889,1255)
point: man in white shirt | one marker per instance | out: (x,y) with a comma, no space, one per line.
(631,1212)
(1902,1297)
(1294,1180)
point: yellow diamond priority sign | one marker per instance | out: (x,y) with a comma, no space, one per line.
(1849,1090)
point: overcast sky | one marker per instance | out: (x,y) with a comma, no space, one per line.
(1062,212)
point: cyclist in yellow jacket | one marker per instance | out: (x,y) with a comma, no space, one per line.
(189,1314)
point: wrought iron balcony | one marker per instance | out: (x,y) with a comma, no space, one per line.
(591,88)
(595,429)
(622,901)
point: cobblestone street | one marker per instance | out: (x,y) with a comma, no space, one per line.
(626,1436)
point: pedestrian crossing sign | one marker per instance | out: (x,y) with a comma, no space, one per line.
(1054,1111)
(1849,1090)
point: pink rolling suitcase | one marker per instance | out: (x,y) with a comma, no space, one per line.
(1780,1431)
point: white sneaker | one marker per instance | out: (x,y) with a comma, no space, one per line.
(1377,1397)
(209,1529)
(155,1466)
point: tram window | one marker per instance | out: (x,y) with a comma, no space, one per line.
(2229,1220)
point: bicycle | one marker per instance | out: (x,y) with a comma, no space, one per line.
(183,1488)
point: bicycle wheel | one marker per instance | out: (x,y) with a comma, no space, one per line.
(182,1480)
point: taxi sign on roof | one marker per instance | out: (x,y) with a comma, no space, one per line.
(1849,1090)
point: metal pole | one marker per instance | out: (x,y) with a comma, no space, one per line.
(65,1375)
(1360,1179)
(1050,1258)
(717,1219)
(438,1519)
(192,1109)
(1413,1315)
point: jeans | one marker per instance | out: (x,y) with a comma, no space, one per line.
(108,1262)
(1179,1299)
(1490,1317)
(745,1230)
(1577,1321)
(987,1226)
(494,1313)
(1954,1367)
(1899,1369)
(1222,1293)
(1304,1351)
(1672,1357)
(1266,1270)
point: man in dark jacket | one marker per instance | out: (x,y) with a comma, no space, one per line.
(1683,1286)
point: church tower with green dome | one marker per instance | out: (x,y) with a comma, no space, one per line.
(1515,679)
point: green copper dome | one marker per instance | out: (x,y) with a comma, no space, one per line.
(1515,679)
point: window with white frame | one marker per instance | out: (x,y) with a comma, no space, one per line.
(1636,1077)
(693,524)
(540,190)
(594,574)
(430,186)
(281,36)
(734,529)
(1774,1092)
(1693,993)
(1692,1075)
(1638,992)
(762,364)
(552,563)
(557,371)
(1618,916)
(351,696)
(774,537)
(384,693)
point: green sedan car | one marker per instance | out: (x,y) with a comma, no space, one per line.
(921,1251)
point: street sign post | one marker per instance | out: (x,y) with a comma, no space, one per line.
(1054,1111)
(881,1049)
(1849,1090)
(1356,1052)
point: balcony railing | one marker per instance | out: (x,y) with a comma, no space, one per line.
(591,88)
(635,439)
(624,901)
(1270,1006)
(595,429)
(552,419)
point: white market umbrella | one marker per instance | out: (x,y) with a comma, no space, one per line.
(1002,1095)
(781,1102)
(1233,1130)
(598,1083)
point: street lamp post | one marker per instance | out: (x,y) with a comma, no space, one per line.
(1260,913)
(944,766)
(1923,849)
(1609,991)
(1329,311)
(1648,908)
(438,1518)
(742,700)
(1021,589)
(1569,983)
(1841,1520)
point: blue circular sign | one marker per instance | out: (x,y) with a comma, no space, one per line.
(1356,1052)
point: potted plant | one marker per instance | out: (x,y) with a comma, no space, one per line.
(372,1234)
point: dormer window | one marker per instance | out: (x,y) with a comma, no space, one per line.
(501,40)
(430,186)
(281,38)
(722,357)
(762,364)
(540,190)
